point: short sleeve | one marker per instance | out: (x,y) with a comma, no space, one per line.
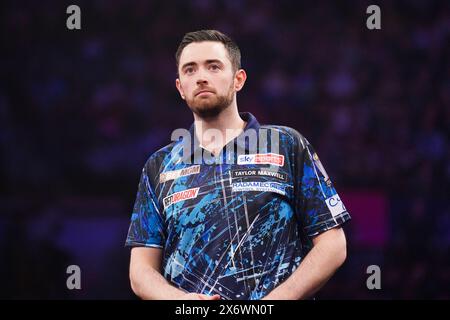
(147,225)
(319,207)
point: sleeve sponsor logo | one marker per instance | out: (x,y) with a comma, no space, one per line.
(180,196)
(172,175)
(262,158)
(258,173)
(320,167)
(335,205)
(259,186)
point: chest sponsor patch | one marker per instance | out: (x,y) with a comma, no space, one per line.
(258,173)
(259,186)
(172,175)
(180,196)
(262,158)
(335,205)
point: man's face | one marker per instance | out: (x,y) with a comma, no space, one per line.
(206,78)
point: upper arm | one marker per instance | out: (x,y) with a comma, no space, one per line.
(335,235)
(145,256)
(144,261)
(333,243)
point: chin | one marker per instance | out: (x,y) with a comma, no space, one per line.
(210,107)
(208,112)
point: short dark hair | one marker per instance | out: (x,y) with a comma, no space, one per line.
(211,35)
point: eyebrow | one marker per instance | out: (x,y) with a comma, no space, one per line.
(188,64)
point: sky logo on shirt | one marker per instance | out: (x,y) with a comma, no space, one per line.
(262,158)
(180,196)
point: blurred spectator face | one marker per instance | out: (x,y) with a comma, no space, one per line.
(206,78)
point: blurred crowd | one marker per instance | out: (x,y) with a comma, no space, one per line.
(81,111)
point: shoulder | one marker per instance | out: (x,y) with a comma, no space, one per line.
(288,135)
(160,159)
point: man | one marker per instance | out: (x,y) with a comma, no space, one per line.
(260,221)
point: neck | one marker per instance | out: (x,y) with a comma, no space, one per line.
(228,124)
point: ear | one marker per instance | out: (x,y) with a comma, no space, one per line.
(180,89)
(239,79)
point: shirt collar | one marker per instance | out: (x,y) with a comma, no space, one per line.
(243,144)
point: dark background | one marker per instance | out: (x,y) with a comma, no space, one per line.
(82,110)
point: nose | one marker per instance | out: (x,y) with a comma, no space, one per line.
(202,79)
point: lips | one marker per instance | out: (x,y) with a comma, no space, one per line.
(202,91)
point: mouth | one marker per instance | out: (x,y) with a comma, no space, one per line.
(203,92)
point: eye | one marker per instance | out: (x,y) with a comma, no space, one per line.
(214,67)
(188,70)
